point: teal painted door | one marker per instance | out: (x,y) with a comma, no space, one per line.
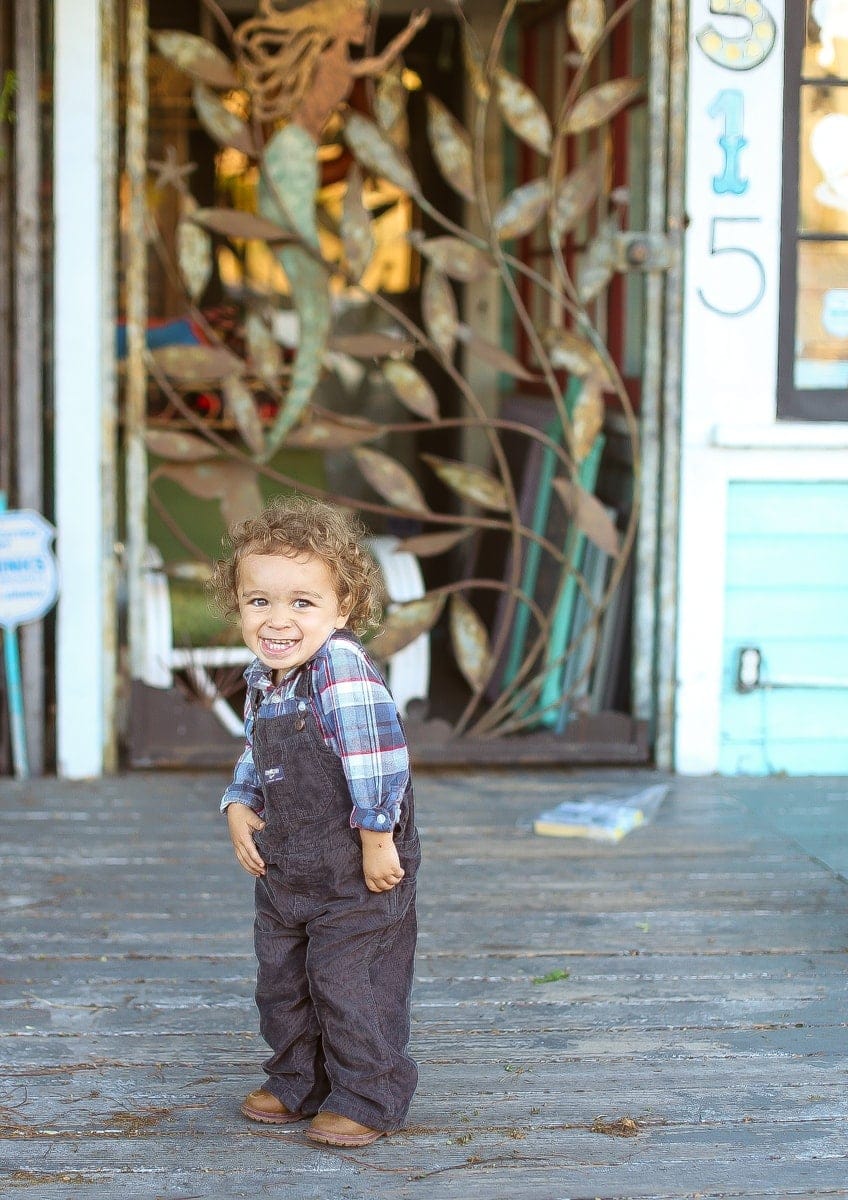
(787,596)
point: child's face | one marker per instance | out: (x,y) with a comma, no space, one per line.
(288,608)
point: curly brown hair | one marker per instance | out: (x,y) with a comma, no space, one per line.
(299,525)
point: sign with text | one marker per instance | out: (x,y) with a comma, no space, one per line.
(29,580)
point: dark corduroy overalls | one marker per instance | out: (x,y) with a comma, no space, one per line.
(335,960)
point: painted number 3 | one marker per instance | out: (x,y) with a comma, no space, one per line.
(747,51)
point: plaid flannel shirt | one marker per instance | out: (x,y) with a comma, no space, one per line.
(358,720)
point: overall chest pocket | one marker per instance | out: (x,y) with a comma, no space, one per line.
(297,785)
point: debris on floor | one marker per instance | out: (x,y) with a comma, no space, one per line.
(602,816)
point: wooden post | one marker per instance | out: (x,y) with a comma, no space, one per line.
(29,335)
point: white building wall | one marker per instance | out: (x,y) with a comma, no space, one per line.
(732,250)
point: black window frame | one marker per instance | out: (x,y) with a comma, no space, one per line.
(793,403)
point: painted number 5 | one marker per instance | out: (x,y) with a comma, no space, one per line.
(734,275)
(747,51)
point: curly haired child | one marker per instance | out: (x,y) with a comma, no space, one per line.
(320,811)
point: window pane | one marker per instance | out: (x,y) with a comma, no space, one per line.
(823,184)
(821,333)
(826,49)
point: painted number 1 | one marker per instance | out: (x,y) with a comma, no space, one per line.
(757,287)
(730,105)
(747,51)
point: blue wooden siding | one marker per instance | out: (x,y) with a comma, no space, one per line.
(786,594)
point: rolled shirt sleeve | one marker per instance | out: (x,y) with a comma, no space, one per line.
(245,787)
(362,726)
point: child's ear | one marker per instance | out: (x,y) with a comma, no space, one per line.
(342,619)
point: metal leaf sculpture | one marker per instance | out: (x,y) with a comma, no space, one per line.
(296,72)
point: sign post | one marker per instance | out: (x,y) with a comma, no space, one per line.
(29,585)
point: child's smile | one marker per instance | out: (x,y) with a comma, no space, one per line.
(288,608)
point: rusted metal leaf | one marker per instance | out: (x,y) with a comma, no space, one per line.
(451,146)
(234,485)
(589,515)
(472,483)
(390,480)
(404,623)
(223,126)
(587,420)
(376,152)
(597,266)
(427,545)
(522,210)
(236,224)
(356,232)
(325,433)
(196,364)
(601,103)
(411,388)
(390,104)
(438,310)
(575,195)
(522,111)
(573,353)
(494,355)
(194,252)
(196,56)
(453,256)
(474,63)
(240,406)
(369,345)
(266,355)
(179,447)
(470,643)
(585,20)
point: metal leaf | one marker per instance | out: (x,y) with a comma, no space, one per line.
(472,483)
(196,365)
(589,515)
(356,231)
(573,353)
(522,209)
(241,407)
(597,266)
(587,419)
(427,545)
(411,388)
(470,643)
(585,20)
(451,146)
(179,447)
(196,56)
(369,345)
(233,484)
(223,126)
(453,256)
(194,256)
(391,480)
(438,310)
(601,103)
(494,355)
(522,110)
(390,104)
(404,623)
(236,224)
(576,194)
(265,352)
(325,433)
(375,151)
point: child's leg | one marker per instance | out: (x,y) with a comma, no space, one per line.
(361,971)
(287,1018)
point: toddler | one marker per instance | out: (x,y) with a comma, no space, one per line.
(320,811)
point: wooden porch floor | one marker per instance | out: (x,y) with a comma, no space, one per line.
(697,999)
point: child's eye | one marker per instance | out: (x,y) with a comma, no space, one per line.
(302,603)
(258,602)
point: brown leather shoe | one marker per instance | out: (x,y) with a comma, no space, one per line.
(263,1106)
(332,1130)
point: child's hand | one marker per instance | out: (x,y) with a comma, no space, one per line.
(380,862)
(242,822)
